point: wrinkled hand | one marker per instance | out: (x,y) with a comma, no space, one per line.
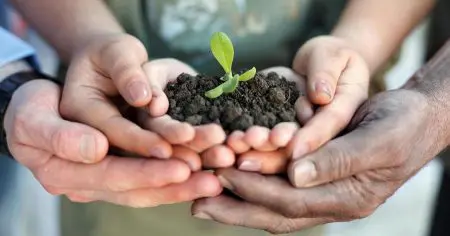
(393,135)
(69,158)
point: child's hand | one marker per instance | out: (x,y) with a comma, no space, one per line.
(337,81)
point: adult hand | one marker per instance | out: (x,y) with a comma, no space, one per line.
(109,68)
(393,135)
(69,158)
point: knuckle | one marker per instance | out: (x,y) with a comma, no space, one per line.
(337,161)
(281,226)
(59,141)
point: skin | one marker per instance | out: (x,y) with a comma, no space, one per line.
(391,137)
(105,63)
(338,67)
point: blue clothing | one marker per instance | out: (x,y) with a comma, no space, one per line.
(25,209)
(12,49)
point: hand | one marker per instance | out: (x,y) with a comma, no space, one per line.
(393,135)
(69,158)
(205,139)
(108,67)
(337,81)
(262,149)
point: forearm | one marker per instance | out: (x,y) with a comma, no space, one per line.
(433,80)
(376,28)
(68,24)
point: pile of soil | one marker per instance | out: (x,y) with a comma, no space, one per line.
(263,100)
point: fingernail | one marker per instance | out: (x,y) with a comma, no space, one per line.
(137,91)
(250,165)
(304,173)
(158,152)
(87,148)
(322,87)
(300,150)
(225,183)
(203,216)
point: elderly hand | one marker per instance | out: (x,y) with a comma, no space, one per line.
(392,136)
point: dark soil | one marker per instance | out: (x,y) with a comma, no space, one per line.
(263,100)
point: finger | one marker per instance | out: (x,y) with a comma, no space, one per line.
(230,211)
(274,162)
(175,132)
(304,110)
(257,137)
(338,200)
(32,120)
(125,69)
(219,156)
(159,73)
(324,68)
(236,142)
(282,133)
(191,158)
(207,136)
(329,121)
(112,174)
(94,110)
(69,140)
(340,158)
(199,185)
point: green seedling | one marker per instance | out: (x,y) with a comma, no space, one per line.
(223,51)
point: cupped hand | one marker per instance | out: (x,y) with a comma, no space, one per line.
(262,149)
(207,140)
(70,158)
(337,80)
(392,136)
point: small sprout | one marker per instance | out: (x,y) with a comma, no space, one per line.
(215,92)
(230,85)
(248,75)
(223,51)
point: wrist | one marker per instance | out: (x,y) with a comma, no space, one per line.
(433,81)
(359,40)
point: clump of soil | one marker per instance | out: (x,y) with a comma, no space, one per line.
(263,100)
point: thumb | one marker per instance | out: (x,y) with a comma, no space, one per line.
(68,140)
(122,60)
(323,67)
(338,159)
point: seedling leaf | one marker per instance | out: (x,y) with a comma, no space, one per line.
(215,92)
(223,51)
(230,85)
(248,75)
